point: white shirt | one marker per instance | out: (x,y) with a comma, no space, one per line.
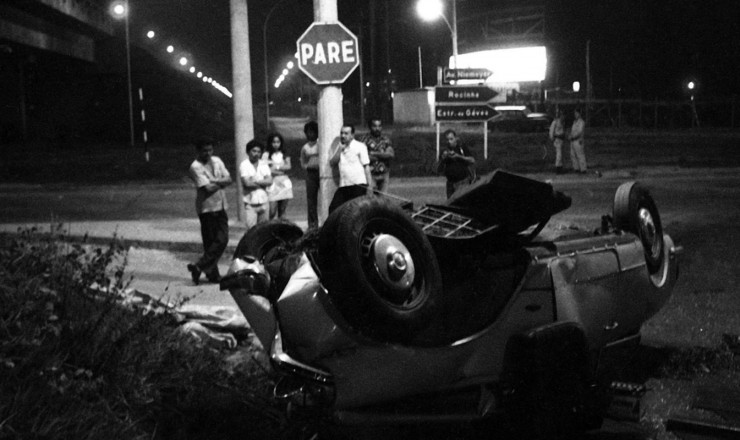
(202,174)
(576,131)
(261,171)
(352,162)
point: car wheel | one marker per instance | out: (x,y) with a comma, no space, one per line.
(635,211)
(379,270)
(269,240)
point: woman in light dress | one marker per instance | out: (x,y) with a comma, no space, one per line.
(281,190)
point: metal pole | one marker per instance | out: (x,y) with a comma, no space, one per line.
(330,117)
(454,32)
(421,83)
(242,79)
(128,72)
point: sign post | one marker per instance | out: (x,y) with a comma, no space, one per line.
(465,103)
(327,53)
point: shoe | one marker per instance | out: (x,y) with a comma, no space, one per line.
(194,273)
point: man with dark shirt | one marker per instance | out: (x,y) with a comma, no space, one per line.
(456,163)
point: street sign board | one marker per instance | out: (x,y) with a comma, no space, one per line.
(459,74)
(464,94)
(328,53)
(466,112)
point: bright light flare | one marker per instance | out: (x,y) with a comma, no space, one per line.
(118,9)
(199,75)
(576,86)
(170,48)
(192,69)
(183,61)
(691,85)
(429,10)
(290,64)
(151,34)
(508,65)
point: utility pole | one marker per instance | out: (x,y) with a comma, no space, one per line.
(242,78)
(330,116)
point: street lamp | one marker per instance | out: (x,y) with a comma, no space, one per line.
(264,53)
(430,10)
(120,10)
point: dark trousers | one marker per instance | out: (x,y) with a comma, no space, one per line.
(312,197)
(214,230)
(345,194)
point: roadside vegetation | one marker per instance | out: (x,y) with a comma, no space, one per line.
(78,361)
(415,154)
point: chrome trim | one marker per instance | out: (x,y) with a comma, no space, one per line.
(282,361)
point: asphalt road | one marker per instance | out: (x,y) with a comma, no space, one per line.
(682,195)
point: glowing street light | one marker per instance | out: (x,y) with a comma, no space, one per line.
(199,75)
(576,86)
(430,10)
(290,64)
(150,34)
(120,10)
(170,48)
(192,69)
(183,61)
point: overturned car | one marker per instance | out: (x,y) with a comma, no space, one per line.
(461,311)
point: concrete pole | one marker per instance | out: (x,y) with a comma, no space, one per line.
(242,79)
(330,117)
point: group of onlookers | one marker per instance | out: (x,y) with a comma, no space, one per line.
(363,166)
(558,137)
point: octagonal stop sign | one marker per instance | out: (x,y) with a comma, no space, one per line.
(328,53)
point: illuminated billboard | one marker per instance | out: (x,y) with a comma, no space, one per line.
(508,65)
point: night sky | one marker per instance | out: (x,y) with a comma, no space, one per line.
(638,48)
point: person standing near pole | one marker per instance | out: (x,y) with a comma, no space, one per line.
(255,176)
(210,176)
(281,190)
(380,149)
(577,147)
(353,161)
(310,162)
(456,163)
(557,136)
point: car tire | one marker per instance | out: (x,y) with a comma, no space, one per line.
(266,241)
(380,270)
(635,211)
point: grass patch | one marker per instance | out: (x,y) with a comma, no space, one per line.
(415,155)
(77,363)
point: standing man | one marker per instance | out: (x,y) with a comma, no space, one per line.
(380,149)
(577,149)
(456,163)
(210,176)
(354,168)
(557,136)
(310,162)
(256,177)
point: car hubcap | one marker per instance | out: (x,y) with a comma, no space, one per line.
(393,262)
(649,233)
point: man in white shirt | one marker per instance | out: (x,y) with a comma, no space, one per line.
(256,177)
(557,136)
(353,161)
(210,176)
(577,148)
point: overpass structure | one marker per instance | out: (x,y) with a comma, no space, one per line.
(65,27)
